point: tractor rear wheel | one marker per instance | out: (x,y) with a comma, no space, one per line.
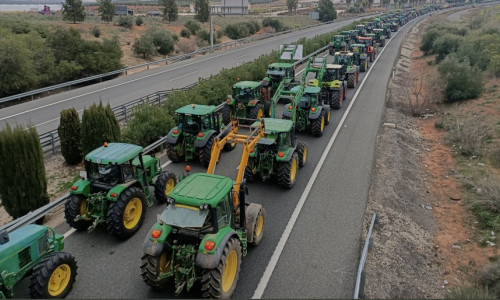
(382,43)
(287,172)
(362,65)
(205,152)
(173,154)
(125,216)
(337,97)
(165,183)
(302,151)
(53,276)
(351,80)
(75,206)
(267,108)
(220,282)
(256,112)
(153,266)
(318,125)
(226,114)
(251,171)
(328,114)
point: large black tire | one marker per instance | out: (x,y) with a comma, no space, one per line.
(318,125)
(257,111)
(53,276)
(251,172)
(351,80)
(125,216)
(256,229)
(302,151)
(213,284)
(362,65)
(336,100)
(229,146)
(152,266)
(287,172)
(165,182)
(226,114)
(76,206)
(267,108)
(328,114)
(172,154)
(205,152)
(382,43)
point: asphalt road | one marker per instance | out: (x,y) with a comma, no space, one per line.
(320,256)
(44,112)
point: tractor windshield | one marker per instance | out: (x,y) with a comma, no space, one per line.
(193,123)
(338,38)
(243,94)
(184,216)
(275,72)
(330,75)
(108,174)
(305,101)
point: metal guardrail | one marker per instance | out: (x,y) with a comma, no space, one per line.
(360,278)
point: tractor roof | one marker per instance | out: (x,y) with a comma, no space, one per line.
(201,188)
(196,109)
(358,45)
(281,65)
(338,35)
(378,29)
(116,153)
(312,90)
(365,37)
(370,35)
(18,240)
(247,84)
(346,31)
(333,66)
(272,125)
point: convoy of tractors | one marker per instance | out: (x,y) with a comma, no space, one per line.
(208,224)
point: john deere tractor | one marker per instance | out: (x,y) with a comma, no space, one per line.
(334,87)
(370,49)
(37,250)
(207,228)
(379,36)
(115,189)
(387,30)
(247,101)
(360,57)
(338,44)
(350,71)
(193,136)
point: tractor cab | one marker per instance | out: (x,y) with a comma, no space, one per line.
(347,35)
(195,119)
(279,71)
(245,91)
(361,29)
(387,30)
(332,72)
(248,100)
(379,36)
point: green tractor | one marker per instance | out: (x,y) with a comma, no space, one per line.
(347,35)
(114,189)
(361,30)
(247,101)
(379,36)
(307,111)
(35,249)
(350,71)
(193,136)
(206,229)
(339,44)
(334,87)
(387,30)
(371,51)
(360,57)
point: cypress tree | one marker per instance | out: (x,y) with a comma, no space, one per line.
(99,125)
(70,136)
(23,186)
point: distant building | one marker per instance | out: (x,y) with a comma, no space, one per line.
(231,7)
(123,11)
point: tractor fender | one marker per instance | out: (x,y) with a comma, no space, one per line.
(171,137)
(253,103)
(118,189)
(152,246)
(289,155)
(287,113)
(82,188)
(198,143)
(313,115)
(251,213)
(210,261)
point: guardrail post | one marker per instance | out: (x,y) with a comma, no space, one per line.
(53,143)
(159,97)
(124,108)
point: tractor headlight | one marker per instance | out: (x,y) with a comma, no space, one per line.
(170,200)
(204,206)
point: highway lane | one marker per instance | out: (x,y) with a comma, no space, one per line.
(44,112)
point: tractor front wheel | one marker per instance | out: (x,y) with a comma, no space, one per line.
(165,183)
(174,154)
(221,281)
(318,125)
(256,112)
(351,80)
(205,152)
(226,114)
(287,172)
(54,276)
(153,266)
(302,151)
(75,206)
(125,216)
(251,171)
(362,65)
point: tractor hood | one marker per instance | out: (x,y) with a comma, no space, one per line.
(10,253)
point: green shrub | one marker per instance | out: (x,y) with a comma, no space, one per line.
(490,279)
(237,31)
(162,39)
(23,186)
(274,23)
(185,32)
(446,44)
(469,133)
(99,125)
(70,137)
(139,21)
(126,21)
(148,125)
(203,37)
(193,26)
(96,32)
(462,80)
(144,46)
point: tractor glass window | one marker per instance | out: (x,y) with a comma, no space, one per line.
(305,101)
(109,174)
(191,123)
(284,140)
(128,172)
(222,213)
(245,94)
(184,216)
(330,75)
(206,122)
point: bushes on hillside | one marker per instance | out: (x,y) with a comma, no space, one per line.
(99,125)
(241,30)
(154,41)
(462,80)
(126,21)
(23,186)
(274,23)
(148,125)
(70,137)
(193,26)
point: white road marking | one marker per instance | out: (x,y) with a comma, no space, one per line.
(183,76)
(69,232)
(166,164)
(259,291)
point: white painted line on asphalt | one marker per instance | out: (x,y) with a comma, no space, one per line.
(183,76)
(166,164)
(69,232)
(259,291)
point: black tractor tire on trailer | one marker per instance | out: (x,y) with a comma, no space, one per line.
(351,80)
(287,172)
(53,276)
(212,281)
(256,112)
(257,229)
(229,147)
(119,210)
(302,151)
(172,154)
(76,206)
(362,65)
(152,266)
(335,101)
(251,172)
(164,184)
(205,152)
(318,125)
(226,114)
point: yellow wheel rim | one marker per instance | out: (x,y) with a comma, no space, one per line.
(83,208)
(132,214)
(304,156)
(164,263)
(322,123)
(229,273)
(179,149)
(260,113)
(169,186)
(59,280)
(293,170)
(329,116)
(260,225)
